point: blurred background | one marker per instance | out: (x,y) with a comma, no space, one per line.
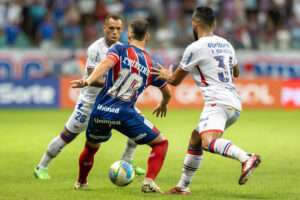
(43,46)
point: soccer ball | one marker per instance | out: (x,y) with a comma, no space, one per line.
(121,173)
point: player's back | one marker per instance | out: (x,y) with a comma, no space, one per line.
(125,81)
(213,72)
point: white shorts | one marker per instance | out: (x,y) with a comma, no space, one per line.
(217,118)
(79,119)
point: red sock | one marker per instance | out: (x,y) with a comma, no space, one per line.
(86,161)
(156,159)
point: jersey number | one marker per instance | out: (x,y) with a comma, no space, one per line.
(80,117)
(225,76)
(124,87)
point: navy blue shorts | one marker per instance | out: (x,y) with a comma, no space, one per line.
(137,128)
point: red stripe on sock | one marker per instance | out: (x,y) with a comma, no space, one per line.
(64,139)
(197,153)
(193,170)
(156,159)
(86,161)
(227,149)
(212,147)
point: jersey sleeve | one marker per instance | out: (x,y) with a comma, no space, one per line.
(190,58)
(157,83)
(234,60)
(92,58)
(114,52)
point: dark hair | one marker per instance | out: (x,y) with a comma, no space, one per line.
(113,16)
(139,28)
(204,16)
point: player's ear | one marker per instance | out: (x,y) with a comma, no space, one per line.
(147,37)
(213,26)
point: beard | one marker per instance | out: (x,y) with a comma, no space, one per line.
(195,34)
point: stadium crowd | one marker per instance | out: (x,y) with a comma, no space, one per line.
(247,24)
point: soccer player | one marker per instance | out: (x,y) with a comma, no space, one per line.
(79,118)
(212,62)
(128,69)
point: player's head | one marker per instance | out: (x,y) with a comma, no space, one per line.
(112,28)
(138,30)
(204,19)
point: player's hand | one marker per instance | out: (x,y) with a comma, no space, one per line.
(162,73)
(80,83)
(161,109)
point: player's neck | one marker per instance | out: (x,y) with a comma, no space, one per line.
(204,33)
(138,44)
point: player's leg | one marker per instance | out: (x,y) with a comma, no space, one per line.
(155,162)
(86,162)
(128,156)
(192,162)
(222,117)
(76,123)
(129,151)
(96,133)
(143,131)
(53,149)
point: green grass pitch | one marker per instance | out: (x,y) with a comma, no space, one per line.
(274,134)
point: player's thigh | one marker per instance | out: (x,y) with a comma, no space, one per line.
(139,129)
(78,120)
(233,116)
(212,119)
(98,129)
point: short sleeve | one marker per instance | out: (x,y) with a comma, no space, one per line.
(190,58)
(92,58)
(114,52)
(234,60)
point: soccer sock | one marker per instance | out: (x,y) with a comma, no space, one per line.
(192,162)
(156,159)
(129,150)
(228,149)
(86,161)
(54,148)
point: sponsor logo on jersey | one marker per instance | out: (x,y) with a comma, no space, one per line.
(104,121)
(137,65)
(140,136)
(108,109)
(203,119)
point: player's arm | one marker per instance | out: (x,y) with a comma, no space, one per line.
(161,108)
(236,71)
(102,69)
(166,74)
(99,82)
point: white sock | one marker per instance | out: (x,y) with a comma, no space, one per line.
(54,148)
(192,162)
(228,149)
(129,150)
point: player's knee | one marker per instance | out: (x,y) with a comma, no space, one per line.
(69,134)
(160,138)
(131,142)
(207,138)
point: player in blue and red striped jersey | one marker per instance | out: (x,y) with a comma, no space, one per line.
(128,69)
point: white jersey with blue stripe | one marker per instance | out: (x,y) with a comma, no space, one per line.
(210,60)
(96,52)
